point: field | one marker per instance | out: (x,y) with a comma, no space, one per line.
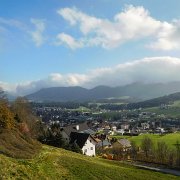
(170,139)
(172,111)
(54,163)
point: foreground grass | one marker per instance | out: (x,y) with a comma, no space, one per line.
(54,163)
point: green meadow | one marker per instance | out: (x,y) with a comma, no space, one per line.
(169,139)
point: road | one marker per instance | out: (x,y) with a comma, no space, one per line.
(158,169)
(163,170)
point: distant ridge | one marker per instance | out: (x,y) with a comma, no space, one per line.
(156,102)
(138,91)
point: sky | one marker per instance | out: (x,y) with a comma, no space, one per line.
(50,43)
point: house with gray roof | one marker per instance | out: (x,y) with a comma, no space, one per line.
(80,128)
(125,143)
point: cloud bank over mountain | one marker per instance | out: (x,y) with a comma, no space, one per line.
(147,70)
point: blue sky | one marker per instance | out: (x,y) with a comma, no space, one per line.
(46,43)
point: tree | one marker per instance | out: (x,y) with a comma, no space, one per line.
(177,145)
(24,116)
(146,145)
(171,157)
(134,150)
(53,137)
(6,116)
(117,150)
(113,140)
(162,151)
(75,148)
(22,109)
(17,118)
(58,139)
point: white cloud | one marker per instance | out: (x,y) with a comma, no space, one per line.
(6,26)
(168,37)
(13,23)
(37,35)
(7,86)
(147,70)
(131,23)
(68,40)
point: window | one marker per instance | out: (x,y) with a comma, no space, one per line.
(91,148)
(85,150)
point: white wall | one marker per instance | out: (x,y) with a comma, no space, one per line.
(89,147)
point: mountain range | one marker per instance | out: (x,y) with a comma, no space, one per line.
(138,91)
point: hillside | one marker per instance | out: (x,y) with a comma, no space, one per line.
(138,91)
(173,110)
(54,163)
(170,105)
(15,144)
(168,99)
(171,100)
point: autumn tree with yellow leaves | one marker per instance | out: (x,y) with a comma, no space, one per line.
(6,116)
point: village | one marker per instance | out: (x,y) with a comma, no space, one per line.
(94,132)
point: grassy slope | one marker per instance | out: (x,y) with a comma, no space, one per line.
(173,111)
(54,163)
(15,144)
(170,139)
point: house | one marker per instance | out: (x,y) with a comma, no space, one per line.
(120,131)
(124,126)
(103,144)
(159,130)
(145,125)
(85,141)
(125,144)
(82,127)
(107,130)
(88,131)
(114,128)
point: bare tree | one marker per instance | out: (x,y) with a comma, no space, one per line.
(146,145)
(177,145)
(134,150)
(162,151)
(24,116)
(171,157)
